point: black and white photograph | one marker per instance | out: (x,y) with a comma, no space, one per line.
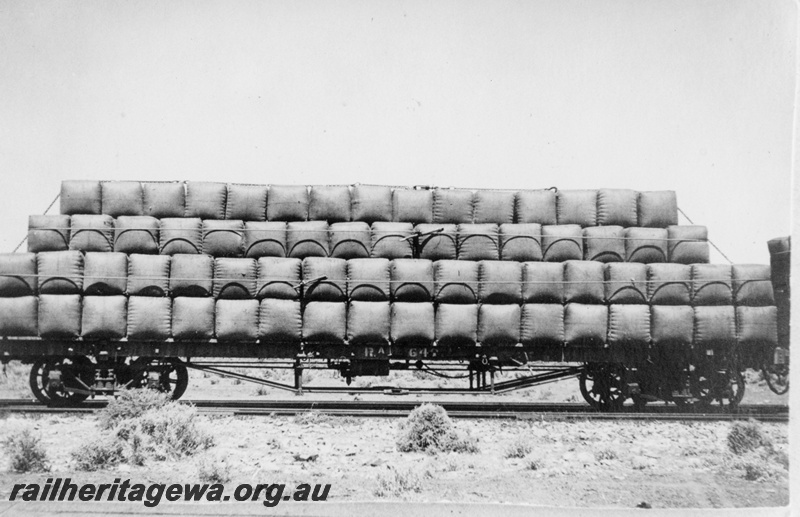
(351,257)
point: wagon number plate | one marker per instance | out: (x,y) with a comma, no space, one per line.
(414,352)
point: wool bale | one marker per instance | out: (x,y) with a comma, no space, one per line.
(350,240)
(205,199)
(712,284)
(542,324)
(91,233)
(672,325)
(325,322)
(499,325)
(576,207)
(121,198)
(223,238)
(104,317)
(389,240)
(149,318)
(500,282)
(371,203)
(136,234)
(19,316)
(368,280)
(585,325)
(478,242)
(626,283)
(264,239)
(59,315)
(60,272)
(412,324)
(752,285)
(780,252)
(236,320)
(658,209)
(163,199)
(438,241)
(105,273)
(191,275)
(494,206)
(329,203)
(646,245)
(278,277)
(520,242)
(180,235)
(80,197)
(452,206)
(584,281)
(455,281)
(246,202)
(368,323)
(333,288)
(604,243)
(714,327)
(617,207)
(628,325)
(411,280)
(287,203)
(456,325)
(280,321)
(235,278)
(757,326)
(148,275)
(48,233)
(688,244)
(562,242)
(542,282)
(307,239)
(413,206)
(535,206)
(193,318)
(18,274)
(669,284)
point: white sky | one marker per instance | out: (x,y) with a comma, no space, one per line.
(693,96)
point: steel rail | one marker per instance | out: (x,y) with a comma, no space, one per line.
(459,409)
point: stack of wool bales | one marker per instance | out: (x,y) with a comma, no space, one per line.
(335,265)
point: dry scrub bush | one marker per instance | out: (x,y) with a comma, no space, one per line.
(142,425)
(428,428)
(519,448)
(214,470)
(25,452)
(747,436)
(397,482)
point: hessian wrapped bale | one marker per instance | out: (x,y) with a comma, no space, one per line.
(368,280)
(389,240)
(626,283)
(223,238)
(279,321)
(350,240)
(329,203)
(80,197)
(712,284)
(493,207)
(205,200)
(331,288)
(104,317)
(180,235)
(520,242)
(543,282)
(264,239)
(617,207)
(48,233)
(535,206)
(456,325)
(18,274)
(307,239)
(371,203)
(149,318)
(542,324)
(757,326)
(577,207)
(136,234)
(478,242)
(91,233)
(19,316)
(163,200)
(368,323)
(287,203)
(193,318)
(669,284)
(412,280)
(148,275)
(604,243)
(452,206)
(628,325)
(438,241)
(752,285)
(646,245)
(658,209)
(688,244)
(60,272)
(412,324)
(455,281)
(499,325)
(584,281)
(412,206)
(237,320)
(122,198)
(235,278)
(59,315)
(278,278)
(585,325)
(714,327)
(191,275)
(105,273)
(325,322)
(672,325)
(500,282)
(562,242)
(246,202)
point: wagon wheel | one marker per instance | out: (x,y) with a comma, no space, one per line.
(603,386)
(777,377)
(725,386)
(77,373)
(166,375)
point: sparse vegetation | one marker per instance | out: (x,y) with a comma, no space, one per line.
(428,428)
(605,454)
(26,452)
(397,482)
(747,436)
(311,418)
(98,454)
(143,425)
(214,470)
(519,448)
(534,463)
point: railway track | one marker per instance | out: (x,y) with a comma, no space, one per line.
(459,409)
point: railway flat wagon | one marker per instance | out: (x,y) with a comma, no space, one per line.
(134,282)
